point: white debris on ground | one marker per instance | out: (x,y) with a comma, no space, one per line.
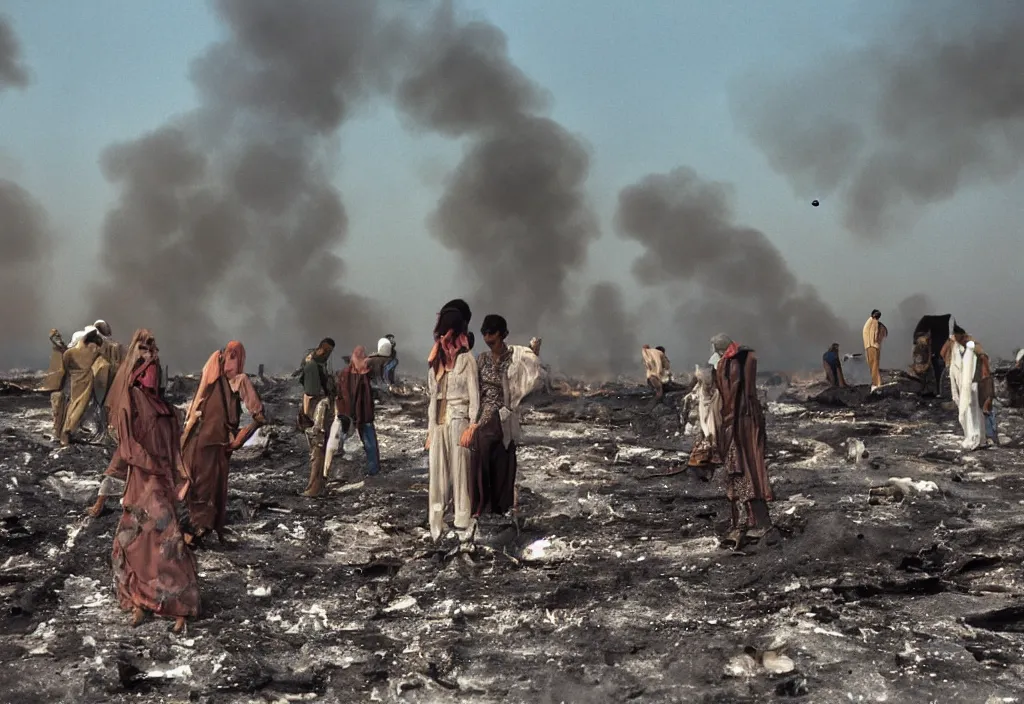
(609,586)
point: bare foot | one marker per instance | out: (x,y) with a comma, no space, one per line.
(138,616)
(310,494)
(179,625)
(97,508)
(188,538)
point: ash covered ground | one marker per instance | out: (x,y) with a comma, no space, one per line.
(614,589)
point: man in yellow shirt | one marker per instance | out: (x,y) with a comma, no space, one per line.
(874,333)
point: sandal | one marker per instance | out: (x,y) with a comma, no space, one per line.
(758,533)
(732,539)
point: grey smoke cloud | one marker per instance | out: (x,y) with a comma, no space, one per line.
(741,283)
(227,220)
(902,321)
(911,119)
(912,308)
(25,237)
(13,73)
(27,246)
(514,209)
(604,338)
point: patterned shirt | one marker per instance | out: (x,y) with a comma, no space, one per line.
(492,374)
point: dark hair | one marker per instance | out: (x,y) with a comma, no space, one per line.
(93,338)
(459,305)
(452,318)
(876,313)
(471,338)
(494,323)
(660,349)
(327,341)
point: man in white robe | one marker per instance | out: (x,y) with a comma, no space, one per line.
(962,371)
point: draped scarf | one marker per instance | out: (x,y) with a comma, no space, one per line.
(446,350)
(146,374)
(359,362)
(731,351)
(230,363)
(119,393)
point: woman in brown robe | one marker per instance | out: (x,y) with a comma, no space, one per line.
(211,435)
(153,569)
(741,442)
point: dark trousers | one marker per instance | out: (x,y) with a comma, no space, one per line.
(493,470)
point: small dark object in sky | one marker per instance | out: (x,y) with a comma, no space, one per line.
(814,203)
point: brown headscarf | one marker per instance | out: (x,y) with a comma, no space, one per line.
(131,449)
(358,361)
(119,389)
(229,362)
(234,359)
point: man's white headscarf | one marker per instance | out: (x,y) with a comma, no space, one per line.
(384,347)
(76,338)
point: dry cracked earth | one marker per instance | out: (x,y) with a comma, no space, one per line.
(613,588)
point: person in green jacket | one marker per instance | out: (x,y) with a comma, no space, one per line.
(318,393)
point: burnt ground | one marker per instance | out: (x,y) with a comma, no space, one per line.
(614,590)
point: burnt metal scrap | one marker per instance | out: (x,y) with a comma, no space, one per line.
(611,587)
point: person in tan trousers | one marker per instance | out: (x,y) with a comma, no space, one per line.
(874,334)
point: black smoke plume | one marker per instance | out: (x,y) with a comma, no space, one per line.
(910,120)
(228,220)
(13,73)
(515,208)
(741,284)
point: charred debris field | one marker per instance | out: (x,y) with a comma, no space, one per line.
(612,589)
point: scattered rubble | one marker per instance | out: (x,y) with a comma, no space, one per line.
(609,587)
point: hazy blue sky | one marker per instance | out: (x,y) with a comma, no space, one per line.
(646,84)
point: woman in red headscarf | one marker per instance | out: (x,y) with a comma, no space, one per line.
(153,569)
(354,405)
(211,435)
